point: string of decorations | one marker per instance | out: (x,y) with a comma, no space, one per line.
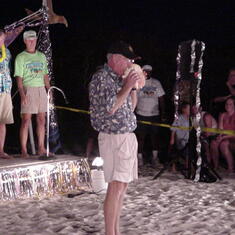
(32,20)
(44,45)
(198,115)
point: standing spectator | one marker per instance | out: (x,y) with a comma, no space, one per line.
(6,116)
(92,135)
(32,78)
(112,103)
(151,108)
(91,142)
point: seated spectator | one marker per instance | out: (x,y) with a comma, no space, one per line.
(206,121)
(225,143)
(180,137)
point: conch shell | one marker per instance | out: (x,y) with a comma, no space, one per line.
(141,82)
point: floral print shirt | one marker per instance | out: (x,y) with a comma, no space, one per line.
(5,77)
(103,89)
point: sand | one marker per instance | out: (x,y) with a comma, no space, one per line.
(165,206)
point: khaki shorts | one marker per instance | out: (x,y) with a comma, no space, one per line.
(120,156)
(6,116)
(37,100)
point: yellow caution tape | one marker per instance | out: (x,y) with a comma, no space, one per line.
(73,110)
(165,125)
(218,131)
(205,129)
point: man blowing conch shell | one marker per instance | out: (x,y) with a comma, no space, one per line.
(113,98)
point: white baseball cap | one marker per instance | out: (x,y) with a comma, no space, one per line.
(147,67)
(31,34)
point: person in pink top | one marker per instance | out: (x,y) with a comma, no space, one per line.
(226,143)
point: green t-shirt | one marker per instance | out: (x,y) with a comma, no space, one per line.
(31,67)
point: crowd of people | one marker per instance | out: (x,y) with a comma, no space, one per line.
(217,148)
(216,145)
(116,106)
(31,73)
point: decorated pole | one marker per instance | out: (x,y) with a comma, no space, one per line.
(53,137)
(198,76)
(187,89)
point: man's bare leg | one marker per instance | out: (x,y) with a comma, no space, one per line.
(111,206)
(41,132)
(117,223)
(2,137)
(207,152)
(141,139)
(24,128)
(89,146)
(214,150)
(2,142)
(225,150)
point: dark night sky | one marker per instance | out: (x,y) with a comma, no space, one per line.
(168,21)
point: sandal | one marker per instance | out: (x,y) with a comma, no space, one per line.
(24,155)
(5,156)
(45,154)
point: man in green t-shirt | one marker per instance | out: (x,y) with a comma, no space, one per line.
(32,78)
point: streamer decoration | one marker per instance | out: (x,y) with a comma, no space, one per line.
(43,180)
